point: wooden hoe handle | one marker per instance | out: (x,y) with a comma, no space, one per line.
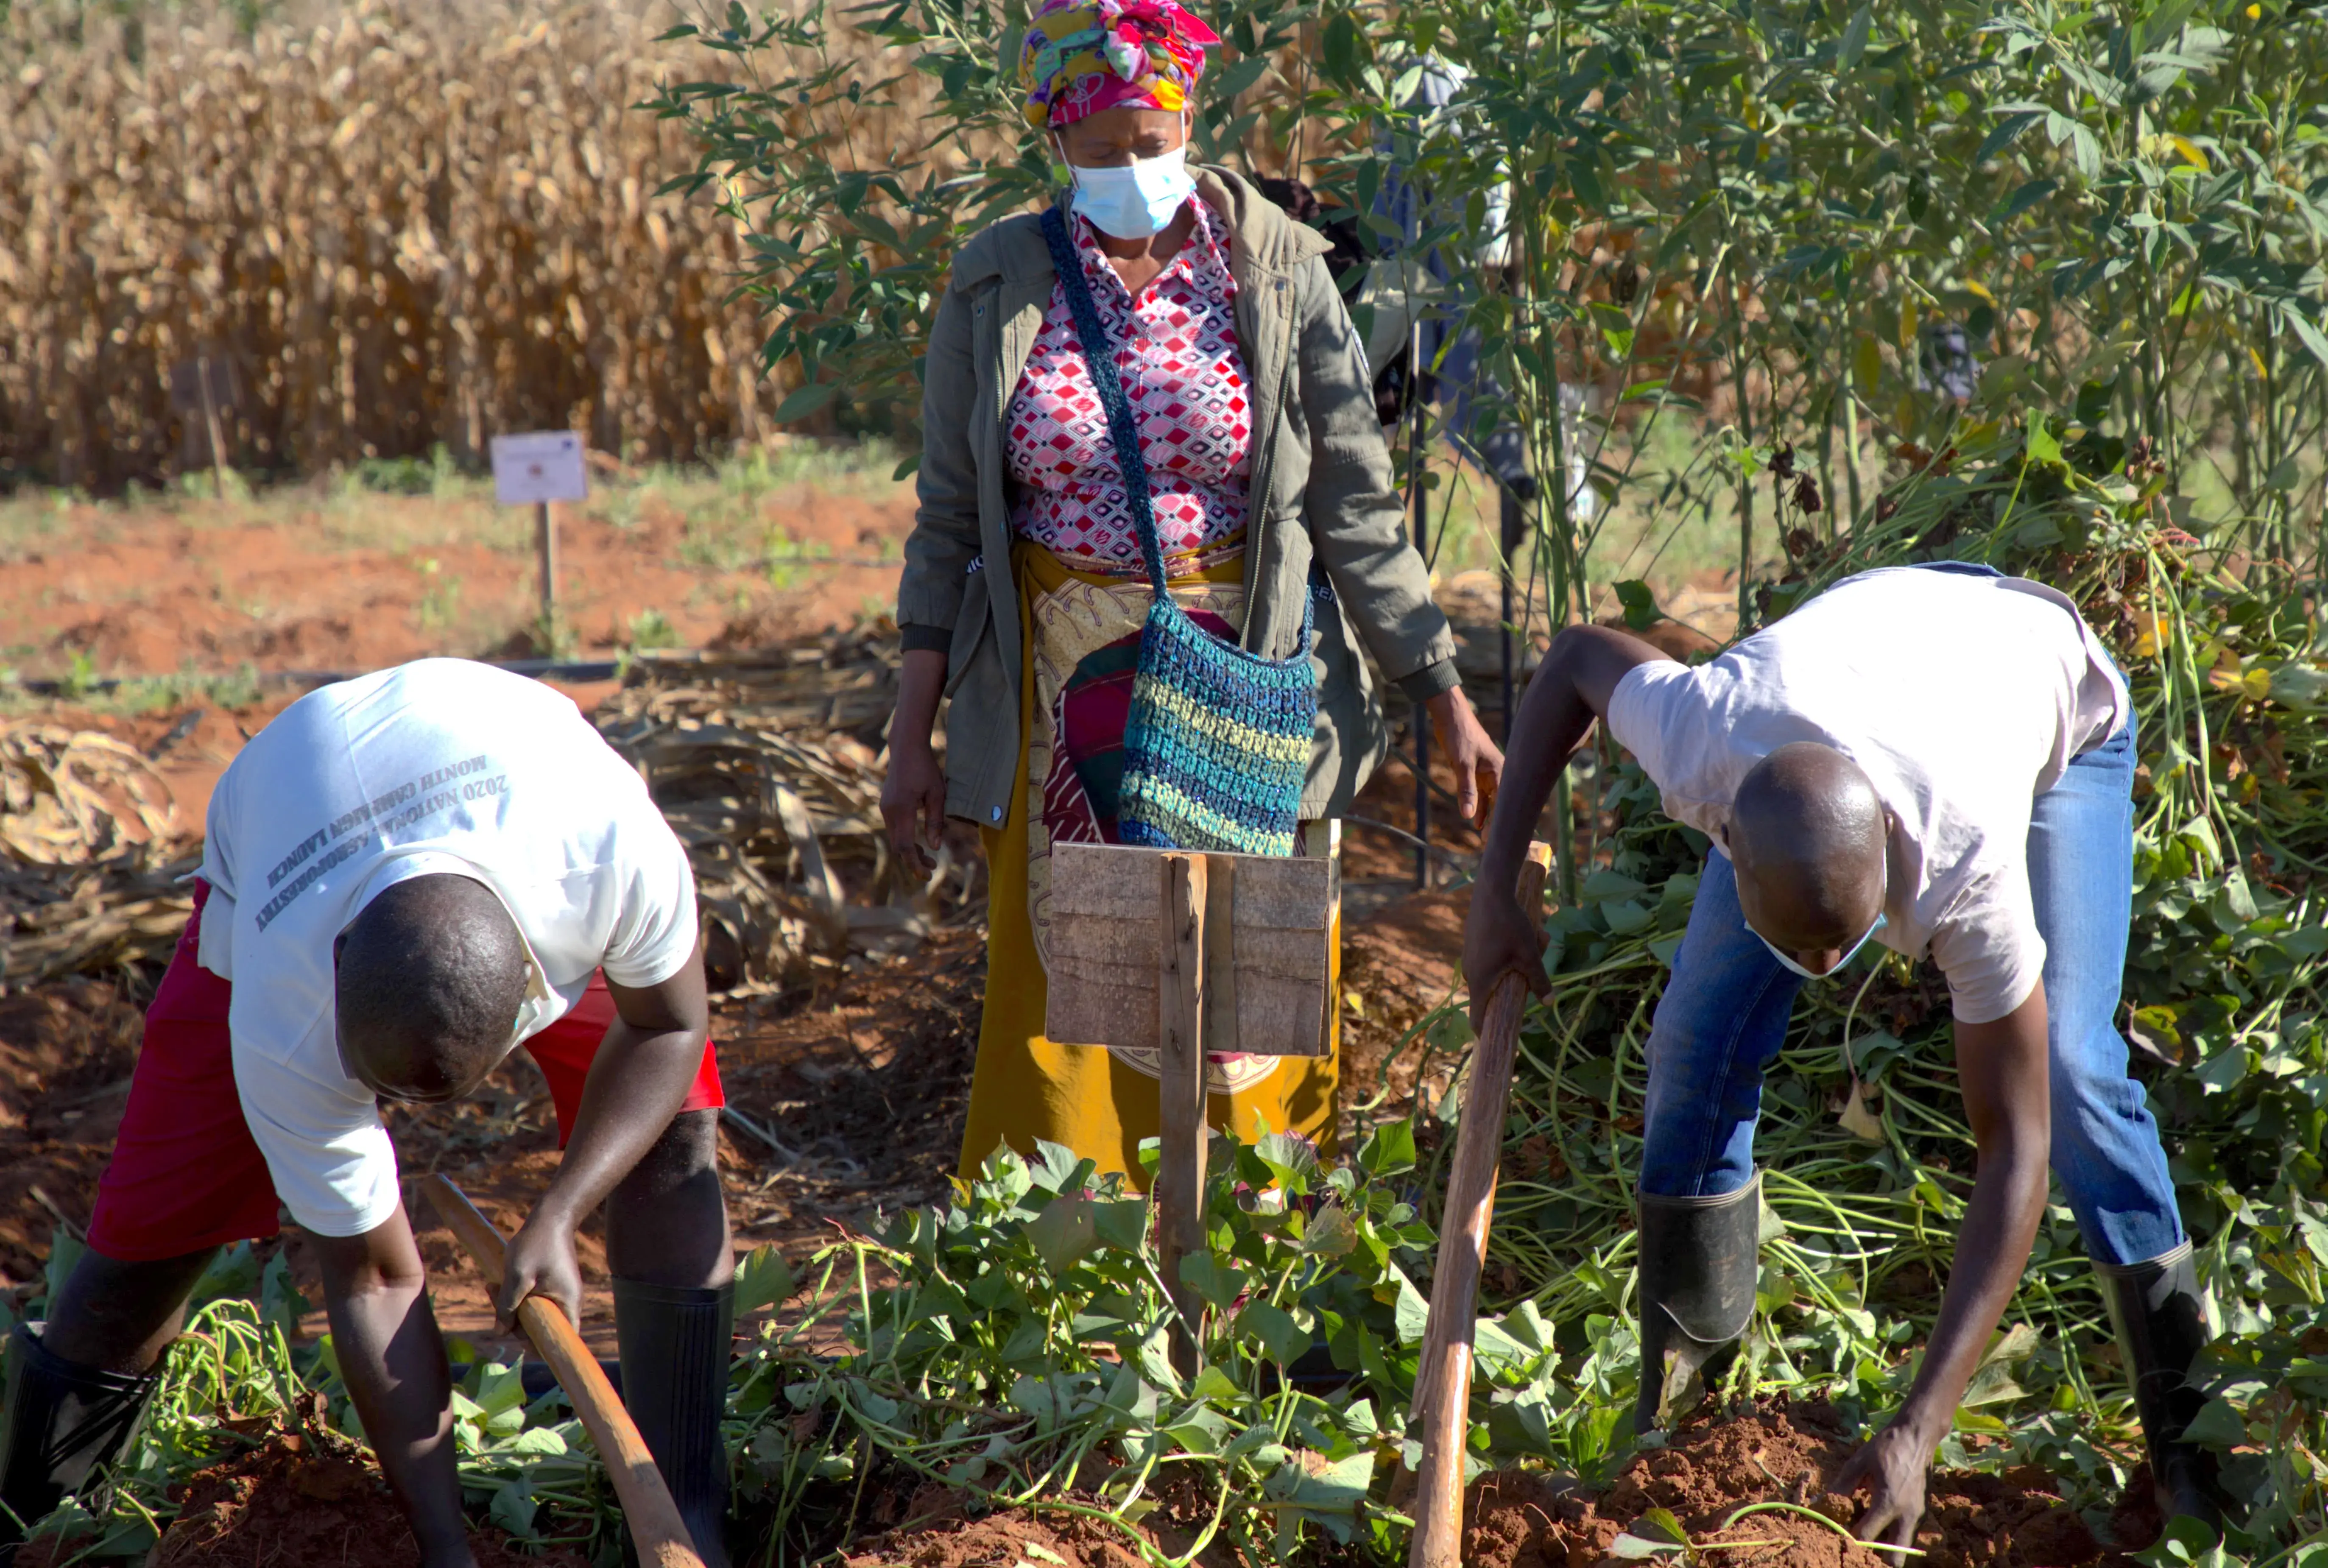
(1442,1384)
(661,1535)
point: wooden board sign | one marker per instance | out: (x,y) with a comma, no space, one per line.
(1268,984)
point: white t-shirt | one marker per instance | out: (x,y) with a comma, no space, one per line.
(1963,697)
(442,766)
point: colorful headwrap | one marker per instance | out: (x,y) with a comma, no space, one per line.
(1082,56)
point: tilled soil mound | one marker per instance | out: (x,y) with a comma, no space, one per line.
(1778,1451)
(938,1527)
(295,1499)
(1003,1540)
(930,1525)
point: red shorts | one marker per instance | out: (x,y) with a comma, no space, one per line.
(185,1173)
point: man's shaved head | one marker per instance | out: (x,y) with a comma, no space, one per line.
(431,976)
(1808,837)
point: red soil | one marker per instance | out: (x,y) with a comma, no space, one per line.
(212,586)
(298,1499)
(1778,1451)
(1000,1540)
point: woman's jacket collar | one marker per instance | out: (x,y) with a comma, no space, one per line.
(1261,239)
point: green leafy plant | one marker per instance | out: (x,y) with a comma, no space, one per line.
(1022,1355)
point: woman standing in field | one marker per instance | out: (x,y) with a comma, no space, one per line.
(1260,499)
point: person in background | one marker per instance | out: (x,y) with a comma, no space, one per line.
(1024,591)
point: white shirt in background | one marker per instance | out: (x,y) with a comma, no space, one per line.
(1963,697)
(442,766)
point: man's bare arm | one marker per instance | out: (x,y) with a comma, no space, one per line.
(637,1083)
(392,1359)
(2007,1094)
(1569,688)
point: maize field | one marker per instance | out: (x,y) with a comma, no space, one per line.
(393,226)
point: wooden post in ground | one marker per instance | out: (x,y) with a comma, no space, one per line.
(534,469)
(1442,1384)
(210,420)
(545,544)
(1170,955)
(1181,1090)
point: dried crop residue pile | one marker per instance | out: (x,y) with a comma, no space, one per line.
(298,1497)
(90,851)
(1777,1451)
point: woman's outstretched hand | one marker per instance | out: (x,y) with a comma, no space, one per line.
(1479,766)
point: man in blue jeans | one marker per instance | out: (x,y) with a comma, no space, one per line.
(1939,760)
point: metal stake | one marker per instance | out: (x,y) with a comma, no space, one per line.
(1515,525)
(1417,452)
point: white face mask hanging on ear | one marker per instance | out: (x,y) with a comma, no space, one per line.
(1137,200)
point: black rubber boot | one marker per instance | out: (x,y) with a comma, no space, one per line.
(2161,1320)
(1698,1270)
(675,1341)
(64,1421)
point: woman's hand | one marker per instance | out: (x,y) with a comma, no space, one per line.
(913,792)
(912,802)
(1479,766)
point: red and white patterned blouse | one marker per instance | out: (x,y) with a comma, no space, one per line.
(1178,357)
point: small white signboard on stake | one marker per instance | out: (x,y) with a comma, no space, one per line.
(538,467)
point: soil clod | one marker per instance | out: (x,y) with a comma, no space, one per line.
(311,1500)
(1779,1450)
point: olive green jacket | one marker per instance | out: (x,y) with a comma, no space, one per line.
(1318,458)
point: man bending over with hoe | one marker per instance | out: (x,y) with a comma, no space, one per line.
(407,876)
(1939,759)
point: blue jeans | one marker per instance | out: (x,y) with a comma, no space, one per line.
(1723,1016)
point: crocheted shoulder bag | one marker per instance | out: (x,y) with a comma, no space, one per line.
(1219,739)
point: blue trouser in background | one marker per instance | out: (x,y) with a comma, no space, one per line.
(1723,1017)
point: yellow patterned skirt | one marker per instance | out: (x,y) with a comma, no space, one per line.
(1082,636)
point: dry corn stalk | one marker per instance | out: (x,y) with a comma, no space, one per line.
(759,764)
(413,222)
(90,857)
(760,761)
(63,791)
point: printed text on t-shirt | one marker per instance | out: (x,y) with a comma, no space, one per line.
(384,813)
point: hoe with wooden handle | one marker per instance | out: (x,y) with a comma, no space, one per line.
(660,1534)
(1442,1385)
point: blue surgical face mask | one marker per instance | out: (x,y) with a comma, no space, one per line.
(1822,973)
(1136,201)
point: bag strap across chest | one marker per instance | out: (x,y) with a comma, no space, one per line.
(1123,429)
